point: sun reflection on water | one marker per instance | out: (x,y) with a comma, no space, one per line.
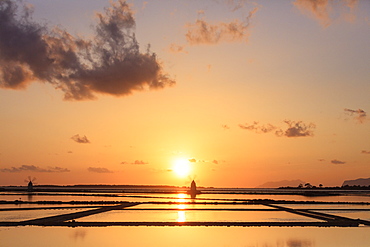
(181,216)
(181,197)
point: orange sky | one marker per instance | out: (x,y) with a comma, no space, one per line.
(242,92)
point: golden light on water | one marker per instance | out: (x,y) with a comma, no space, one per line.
(181,217)
(181,199)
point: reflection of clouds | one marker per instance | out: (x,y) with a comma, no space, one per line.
(299,243)
(78,234)
(291,243)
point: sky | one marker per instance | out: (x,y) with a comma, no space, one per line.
(230,93)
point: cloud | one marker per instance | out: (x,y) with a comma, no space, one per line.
(174,48)
(326,10)
(256,127)
(225,127)
(80,139)
(109,63)
(203,32)
(337,162)
(295,128)
(99,170)
(298,129)
(192,160)
(215,162)
(236,4)
(139,162)
(359,115)
(365,152)
(32,168)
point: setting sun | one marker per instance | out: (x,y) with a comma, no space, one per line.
(182,167)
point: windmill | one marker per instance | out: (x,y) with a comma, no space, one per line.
(193,188)
(30,183)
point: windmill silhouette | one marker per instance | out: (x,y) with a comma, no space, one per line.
(193,188)
(30,183)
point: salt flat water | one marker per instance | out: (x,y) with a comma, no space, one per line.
(178,207)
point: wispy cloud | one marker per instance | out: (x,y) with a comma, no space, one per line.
(225,126)
(326,10)
(256,127)
(80,139)
(337,162)
(109,63)
(235,5)
(136,162)
(175,48)
(99,170)
(294,129)
(202,32)
(365,152)
(139,162)
(32,168)
(359,115)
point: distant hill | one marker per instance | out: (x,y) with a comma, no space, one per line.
(359,181)
(283,183)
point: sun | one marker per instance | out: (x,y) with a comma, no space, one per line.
(182,167)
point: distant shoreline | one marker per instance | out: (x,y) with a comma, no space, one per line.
(166,189)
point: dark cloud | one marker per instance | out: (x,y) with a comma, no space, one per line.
(337,162)
(33,168)
(80,139)
(192,160)
(365,152)
(298,129)
(99,170)
(295,128)
(359,115)
(215,162)
(109,63)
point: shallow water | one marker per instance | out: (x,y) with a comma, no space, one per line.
(182,212)
(145,197)
(15,216)
(185,236)
(197,216)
